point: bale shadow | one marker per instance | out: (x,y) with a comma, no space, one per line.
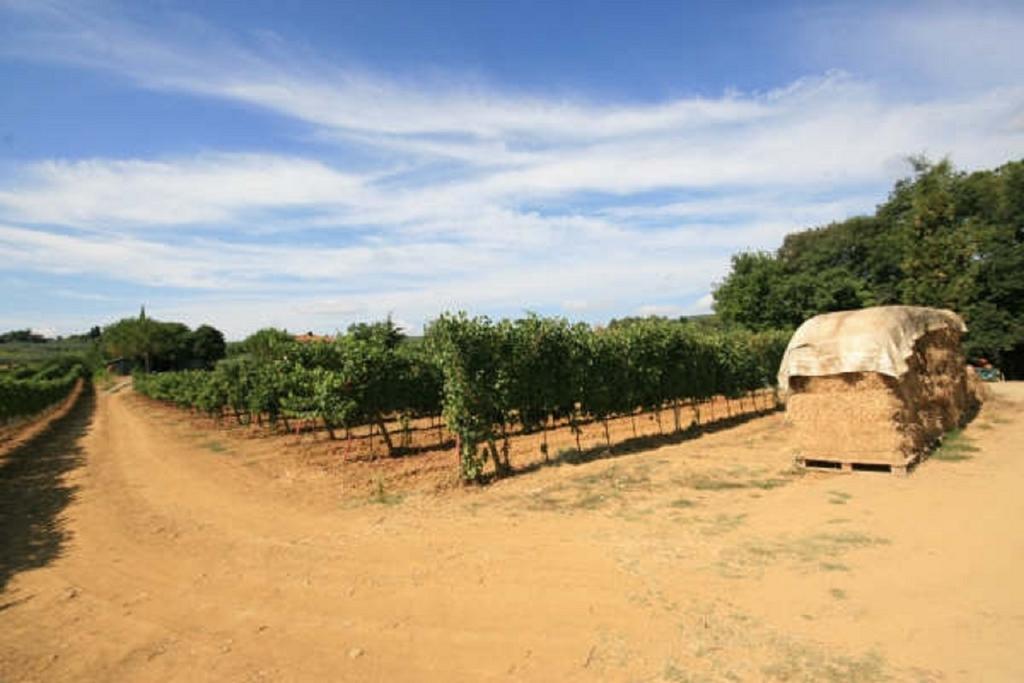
(33,493)
(644,443)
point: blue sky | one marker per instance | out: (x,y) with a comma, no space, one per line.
(307,164)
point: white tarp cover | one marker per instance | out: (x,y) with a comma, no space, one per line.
(878,339)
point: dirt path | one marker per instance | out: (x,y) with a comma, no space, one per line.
(154,553)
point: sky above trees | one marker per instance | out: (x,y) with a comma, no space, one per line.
(307,165)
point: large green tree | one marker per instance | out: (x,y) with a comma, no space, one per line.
(207,345)
(763,293)
(265,344)
(156,345)
(942,238)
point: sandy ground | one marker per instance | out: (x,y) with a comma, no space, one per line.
(358,465)
(134,547)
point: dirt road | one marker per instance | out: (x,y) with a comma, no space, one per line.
(135,548)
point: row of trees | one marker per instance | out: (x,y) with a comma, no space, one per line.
(536,370)
(943,238)
(363,377)
(487,378)
(26,335)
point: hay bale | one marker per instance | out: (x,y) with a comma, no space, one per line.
(851,417)
(872,417)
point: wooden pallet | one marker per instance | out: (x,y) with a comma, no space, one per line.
(900,470)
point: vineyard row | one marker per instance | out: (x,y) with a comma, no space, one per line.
(488,379)
(26,396)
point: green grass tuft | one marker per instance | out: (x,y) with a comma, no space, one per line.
(955,448)
(382,497)
(834,567)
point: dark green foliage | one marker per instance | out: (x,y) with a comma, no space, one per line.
(943,238)
(362,377)
(23,396)
(762,292)
(418,381)
(385,333)
(938,264)
(22,336)
(484,377)
(531,370)
(49,359)
(154,345)
(207,345)
(264,344)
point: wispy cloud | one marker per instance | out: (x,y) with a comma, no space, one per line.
(955,46)
(185,54)
(827,134)
(209,189)
(467,193)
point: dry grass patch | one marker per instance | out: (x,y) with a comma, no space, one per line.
(814,550)
(214,446)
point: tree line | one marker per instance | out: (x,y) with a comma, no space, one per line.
(943,238)
(25,336)
(363,377)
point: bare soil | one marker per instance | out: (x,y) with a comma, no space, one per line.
(138,546)
(425,459)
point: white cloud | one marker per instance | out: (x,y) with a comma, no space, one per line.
(831,134)
(469,195)
(188,55)
(211,188)
(704,303)
(301,287)
(219,265)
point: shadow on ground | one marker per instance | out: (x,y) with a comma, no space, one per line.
(33,492)
(643,443)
